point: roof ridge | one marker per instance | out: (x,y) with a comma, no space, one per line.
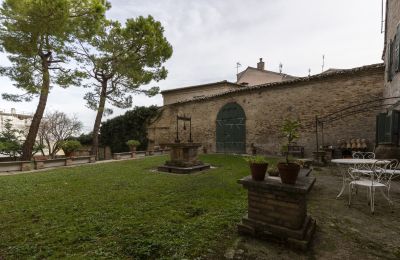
(270,71)
(201,85)
(290,81)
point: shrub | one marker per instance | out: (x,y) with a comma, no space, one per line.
(256,159)
(291,133)
(70,146)
(132,143)
(132,125)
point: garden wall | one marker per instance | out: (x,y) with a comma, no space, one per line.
(268,105)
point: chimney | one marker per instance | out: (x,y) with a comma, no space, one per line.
(260,65)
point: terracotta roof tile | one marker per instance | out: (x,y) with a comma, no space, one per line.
(325,75)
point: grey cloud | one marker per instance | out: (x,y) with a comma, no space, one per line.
(210,36)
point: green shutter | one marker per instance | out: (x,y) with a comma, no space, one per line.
(380,128)
(398,49)
(395,127)
(388,129)
(389,61)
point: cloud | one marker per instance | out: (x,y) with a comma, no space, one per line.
(210,36)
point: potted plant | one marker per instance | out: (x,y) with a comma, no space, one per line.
(132,144)
(273,170)
(258,167)
(70,146)
(289,170)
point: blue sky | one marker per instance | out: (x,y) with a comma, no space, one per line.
(210,36)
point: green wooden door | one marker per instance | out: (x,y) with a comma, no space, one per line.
(231,129)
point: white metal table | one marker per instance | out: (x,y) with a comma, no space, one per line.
(348,162)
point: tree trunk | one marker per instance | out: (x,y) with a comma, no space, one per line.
(37,118)
(99,116)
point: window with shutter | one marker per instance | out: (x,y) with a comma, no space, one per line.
(395,54)
(388,129)
(380,128)
(389,61)
(398,49)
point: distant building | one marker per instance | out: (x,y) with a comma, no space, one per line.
(176,95)
(247,78)
(256,76)
(20,121)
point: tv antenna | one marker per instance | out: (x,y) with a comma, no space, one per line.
(238,65)
(309,72)
(280,68)
(323,62)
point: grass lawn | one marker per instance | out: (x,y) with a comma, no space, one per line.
(122,210)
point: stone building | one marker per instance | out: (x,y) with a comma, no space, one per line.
(19,121)
(391,51)
(242,117)
(388,121)
(249,77)
(256,76)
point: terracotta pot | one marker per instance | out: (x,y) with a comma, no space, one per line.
(288,172)
(258,171)
(69,154)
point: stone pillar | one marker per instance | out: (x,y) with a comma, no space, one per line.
(39,165)
(92,159)
(68,161)
(278,211)
(26,166)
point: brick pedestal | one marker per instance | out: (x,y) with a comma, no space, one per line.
(278,211)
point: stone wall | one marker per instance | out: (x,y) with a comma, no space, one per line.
(392,88)
(267,106)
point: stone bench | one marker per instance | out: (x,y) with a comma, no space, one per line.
(136,154)
(80,160)
(53,163)
(42,164)
(15,166)
(124,155)
(140,154)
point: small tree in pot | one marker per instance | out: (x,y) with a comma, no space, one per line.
(258,167)
(132,144)
(288,170)
(70,146)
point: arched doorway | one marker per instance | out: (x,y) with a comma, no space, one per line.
(231,129)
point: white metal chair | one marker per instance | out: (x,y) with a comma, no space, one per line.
(380,177)
(357,169)
(358,155)
(369,155)
(363,155)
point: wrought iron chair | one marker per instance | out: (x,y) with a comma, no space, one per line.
(359,168)
(363,155)
(380,178)
(369,155)
(358,155)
